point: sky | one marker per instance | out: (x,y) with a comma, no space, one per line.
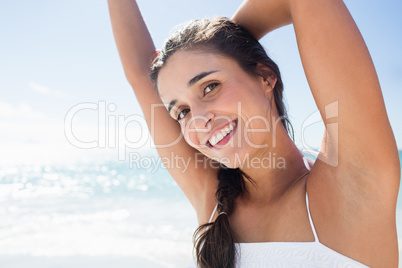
(59,69)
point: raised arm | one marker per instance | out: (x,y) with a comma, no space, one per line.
(132,38)
(136,51)
(358,176)
(342,79)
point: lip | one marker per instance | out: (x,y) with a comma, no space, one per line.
(218,130)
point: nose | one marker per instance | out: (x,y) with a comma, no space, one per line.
(198,126)
(203,121)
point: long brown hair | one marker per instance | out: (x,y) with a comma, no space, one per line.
(214,242)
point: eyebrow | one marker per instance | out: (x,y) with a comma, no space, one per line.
(190,83)
(171,105)
(198,77)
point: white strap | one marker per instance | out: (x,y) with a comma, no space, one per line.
(311,221)
(306,163)
(213,213)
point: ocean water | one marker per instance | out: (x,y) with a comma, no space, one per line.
(95,213)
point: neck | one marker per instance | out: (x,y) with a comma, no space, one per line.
(282,167)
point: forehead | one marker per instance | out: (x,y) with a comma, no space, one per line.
(184,65)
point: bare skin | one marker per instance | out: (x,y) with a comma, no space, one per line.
(353,203)
(352,187)
(232,87)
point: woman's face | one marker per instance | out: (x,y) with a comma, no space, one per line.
(224,112)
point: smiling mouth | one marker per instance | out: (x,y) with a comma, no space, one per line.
(223,136)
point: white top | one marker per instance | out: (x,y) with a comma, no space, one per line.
(290,254)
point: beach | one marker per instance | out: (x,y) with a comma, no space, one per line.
(95,214)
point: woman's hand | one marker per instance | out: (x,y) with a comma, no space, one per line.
(261,16)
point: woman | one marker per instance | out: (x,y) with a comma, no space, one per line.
(224,95)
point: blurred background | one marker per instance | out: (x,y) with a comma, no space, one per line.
(80,184)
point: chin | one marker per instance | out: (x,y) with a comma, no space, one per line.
(233,161)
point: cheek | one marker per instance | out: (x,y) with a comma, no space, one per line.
(246,98)
(233,92)
(190,135)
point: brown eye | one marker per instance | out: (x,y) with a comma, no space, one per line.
(182,114)
(210,88)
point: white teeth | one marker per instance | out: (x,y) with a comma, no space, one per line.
(212,141)
(220,135)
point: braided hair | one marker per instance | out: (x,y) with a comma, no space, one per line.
(214,243)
